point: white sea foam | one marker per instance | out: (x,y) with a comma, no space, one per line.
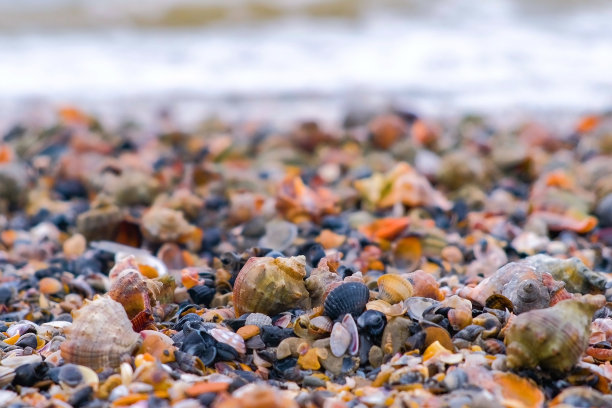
(458,55)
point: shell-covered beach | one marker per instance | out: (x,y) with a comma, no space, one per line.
(394,260)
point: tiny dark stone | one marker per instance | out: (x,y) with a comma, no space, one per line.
(81,397)
(207,398)
(27,340)
(29,374)
(5,295)
(70,374)
(202,295)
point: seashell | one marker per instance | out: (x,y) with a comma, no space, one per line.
(319,284)
(407,253)
(525,286)
(437,334)
(373,322)
(489,322)
(320,326)
(101,221)
(385,228)
(72,376)
(393,288)
(350,297)
(553,338)
(258,319)
(14,361)
(385,130)
(158,345)
(131,290)
(230,338)
(298,202)
(279,235)
(100,335)
(425,285)
(517,391)
(271,285)
(416,306)
(400,185)
(349,324)
(49,286)
(492,346)
(340,340)
(585,396)
(165,225)
(6,375)
(576,275)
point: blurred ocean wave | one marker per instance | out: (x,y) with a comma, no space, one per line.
(437,55)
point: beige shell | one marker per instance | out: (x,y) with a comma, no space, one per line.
(394,288)
(165,225)
(100,335)
(101,221)
(271,285)
(552,338)
(525,286)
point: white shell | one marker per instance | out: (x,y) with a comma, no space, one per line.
(340,340)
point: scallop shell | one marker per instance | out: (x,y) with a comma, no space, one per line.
(525,286)
(100,335)
(394,288)
(552,338)
(350,297)
(271,285)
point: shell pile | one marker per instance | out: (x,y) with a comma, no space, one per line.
(395,262)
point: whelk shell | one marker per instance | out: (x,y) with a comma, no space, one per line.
(553,338)
(100,335)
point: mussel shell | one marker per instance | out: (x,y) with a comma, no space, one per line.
(350,297)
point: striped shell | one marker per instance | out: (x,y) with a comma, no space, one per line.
(394,288)
(100,335)
(349,297)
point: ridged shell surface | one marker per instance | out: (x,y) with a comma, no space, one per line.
(552,338)
(271,285)
(349,297)
(100,335)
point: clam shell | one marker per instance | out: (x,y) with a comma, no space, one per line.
(340,340)
(6,375)
(349,297)
(230,338)
(552,338)
(100,335)
(349,324)
(394,288)
(271,285)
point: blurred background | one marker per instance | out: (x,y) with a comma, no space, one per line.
(307,57)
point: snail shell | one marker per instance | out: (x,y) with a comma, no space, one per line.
(576,275)
(525,286)
(271,285)
(553,338)
(165,225)
(394,288)
(100,335)
(350,297)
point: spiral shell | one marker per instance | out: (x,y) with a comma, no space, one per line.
(271,285)
(100,335)
(526,287)
(394,288)
(553,338)
(576,275)
(350,297)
